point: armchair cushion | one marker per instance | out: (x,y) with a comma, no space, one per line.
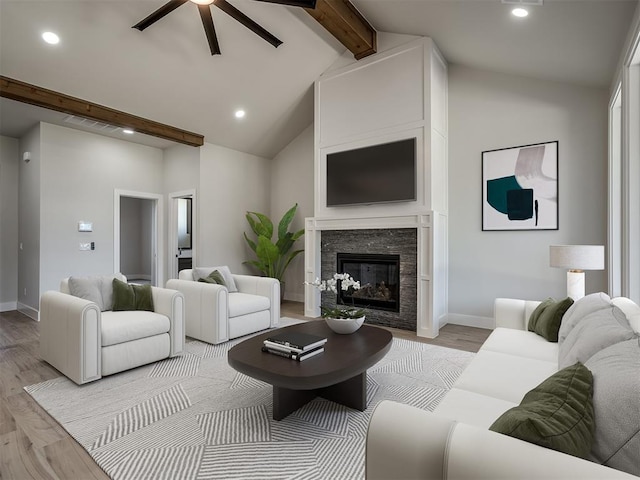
(125,326)
(97,289)
(204,272)
(131,297)
(244,303)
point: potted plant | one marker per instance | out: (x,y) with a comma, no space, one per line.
(273,258)
(340,320)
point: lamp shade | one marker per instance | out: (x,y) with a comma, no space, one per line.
(577,257)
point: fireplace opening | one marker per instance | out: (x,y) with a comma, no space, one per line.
(379,277)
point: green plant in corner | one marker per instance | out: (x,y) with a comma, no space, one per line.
(272,258)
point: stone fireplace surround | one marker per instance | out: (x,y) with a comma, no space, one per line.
(430,264)
(402,242)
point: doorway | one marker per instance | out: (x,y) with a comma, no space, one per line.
(182,227)
(137,243)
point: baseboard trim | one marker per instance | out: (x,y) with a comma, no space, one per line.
(470,321)
(8,306)
(28,311)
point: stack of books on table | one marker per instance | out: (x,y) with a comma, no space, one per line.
(294,345)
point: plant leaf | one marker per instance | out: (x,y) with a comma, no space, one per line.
(283,226)
(268,254)
(263,227)
(251,243)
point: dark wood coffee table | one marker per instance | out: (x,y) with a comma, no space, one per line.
(338,374)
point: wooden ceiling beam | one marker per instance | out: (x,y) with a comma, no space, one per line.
(343,20)
(41,97)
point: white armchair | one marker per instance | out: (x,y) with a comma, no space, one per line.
(85,344)
(214,315)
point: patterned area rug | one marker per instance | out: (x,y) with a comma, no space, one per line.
(194,417)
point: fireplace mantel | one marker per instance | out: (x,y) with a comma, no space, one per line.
(431,261)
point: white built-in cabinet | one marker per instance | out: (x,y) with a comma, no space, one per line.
(393,95)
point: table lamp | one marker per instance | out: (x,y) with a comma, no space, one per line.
(577,259)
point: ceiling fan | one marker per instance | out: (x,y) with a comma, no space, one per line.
(207,19)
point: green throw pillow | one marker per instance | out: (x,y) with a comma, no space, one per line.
(533,319)
(549,321)
(214,277)
(557,414)
(131,297)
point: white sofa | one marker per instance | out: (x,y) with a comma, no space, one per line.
(215,315)
(454,442)
(85,343)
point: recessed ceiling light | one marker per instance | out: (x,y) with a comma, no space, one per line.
(520,12)
(128,131)
(240,113)
(51,38)
(203,2)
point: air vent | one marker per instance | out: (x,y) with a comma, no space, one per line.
(92,124)
(527,3)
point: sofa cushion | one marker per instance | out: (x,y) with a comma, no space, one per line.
(214,277)
(580,309)
(535,315)
(520,343)
(96,289)
(630,309)
(244,303)
(557,414)
(120,327)
(131,297)
(504,376)
(547,322)
(203,272)
(471,407)
(616,402)
(597,330)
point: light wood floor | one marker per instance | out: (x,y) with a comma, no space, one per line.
(34,446)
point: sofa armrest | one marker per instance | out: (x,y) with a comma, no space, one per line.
(405,442)
(206,309)
(70,336)
(513,313)
(265,287)
(171,304)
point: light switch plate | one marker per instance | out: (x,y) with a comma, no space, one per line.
(85,246)
(85,227)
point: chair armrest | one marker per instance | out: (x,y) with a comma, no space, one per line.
(171,304)
(405,442)
(513,313)
(265,287)
(206,309)
(70,336)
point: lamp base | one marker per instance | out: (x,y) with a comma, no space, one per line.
(575,284)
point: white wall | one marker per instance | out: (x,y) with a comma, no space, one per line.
(80,172)
(490,111)
(291,183)
(9,177)
(29,224)
(231,183)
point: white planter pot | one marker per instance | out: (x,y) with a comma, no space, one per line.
(345,325)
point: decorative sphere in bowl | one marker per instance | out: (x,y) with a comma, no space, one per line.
(344,325)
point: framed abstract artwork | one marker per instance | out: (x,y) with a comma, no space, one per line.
(520,188)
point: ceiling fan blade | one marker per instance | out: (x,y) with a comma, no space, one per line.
(164,10)
(209,29)
(293,3)
(247,22)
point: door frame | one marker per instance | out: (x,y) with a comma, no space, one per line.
(172,230)
(157,240)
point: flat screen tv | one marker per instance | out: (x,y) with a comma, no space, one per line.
(376,174)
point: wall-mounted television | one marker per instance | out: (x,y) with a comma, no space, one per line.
(375,174)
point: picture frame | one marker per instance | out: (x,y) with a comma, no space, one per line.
(520,188)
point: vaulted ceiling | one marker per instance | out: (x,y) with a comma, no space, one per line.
(168,75)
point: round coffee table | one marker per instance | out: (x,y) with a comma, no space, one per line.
(338,374)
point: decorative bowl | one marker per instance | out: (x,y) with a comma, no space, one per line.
(344,325)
